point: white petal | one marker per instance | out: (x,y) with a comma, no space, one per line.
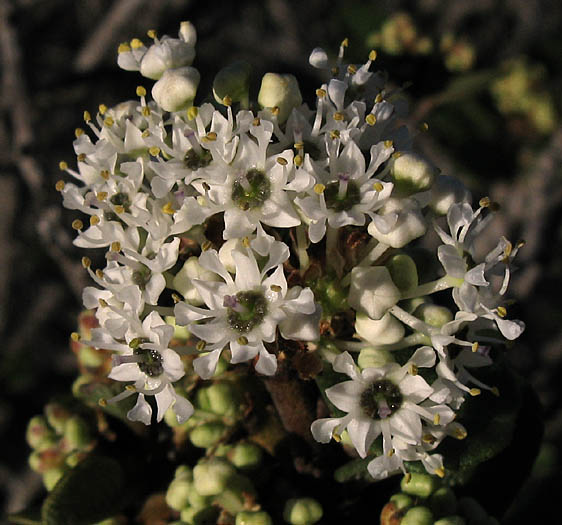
(362,433)
(125,372)
(267,363)
(424,357)
(322,429)
(346,395)
(142,411)
(206,365)
(383,466)
(407,425)
(415,388)
(164,400)
(344,364)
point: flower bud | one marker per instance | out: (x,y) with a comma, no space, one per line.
(386,330)
(245,455)
(402,501)
(57,416)
(221,398)
(374,358)
(417,516)
(443,502)
(450,520)
(195,516)
(168,54)
(212,476)
(372,291)
(409,224)
(177,494)
(184,472)
(421,485)
(90,357)
(182,282)
(77,435)
(176,89)
(233,81)
(253,518)
(302,511)
(207,434)
(281,91)
(445,192)
(188,33)
(403,271)
(433,314)
(52,476)
(74,458)
(225,253)
(412,174)
(39,435)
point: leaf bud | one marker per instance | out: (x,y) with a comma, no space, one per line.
(177,495)
(245,455)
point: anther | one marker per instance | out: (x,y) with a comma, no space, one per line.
(424,126)
(256,122)
(275,111)
(334,134)
(154,151)
(102,108)
(136,43)
(99,274)
(124,48)
(77,224)
(246,242)
(145,111)
(276,288)
(377,186)
(298,145)
(440,472)
(207,245)
(396,155)
(101,195)
(168,208)
(475,392)
(351,69)
(103,303)
(87,116)
(192,112)
(63,166)
(390,453)
(297,160)
(378,98)
(78,132)
(413,369)
(109,122)
(119,209)
(210,137)
(151,33)
(116,246)
(141,91)
(86,262)
(145,134)
(131,388)
(345,42)
(242,340)
(176,298)
(502,312)
(282,161)
(102,402)
(436,419)
(388,143)
(338,116)
(75,336)
(94,220)
(460,433)
(81,157)
(372,55)
(200,346)
(495,390)
(59,186)
(319,188)
(227,101)
(371,119)
(320,93)
(428,438)
(484,202)
(104,174)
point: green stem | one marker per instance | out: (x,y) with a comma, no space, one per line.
(413,322)
(428,288)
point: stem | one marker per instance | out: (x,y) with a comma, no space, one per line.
(304,260)
(331,244)
(428,288)
(413,322)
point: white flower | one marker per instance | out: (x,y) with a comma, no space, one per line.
(372,291)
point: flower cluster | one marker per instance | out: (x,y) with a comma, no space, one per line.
(255,224)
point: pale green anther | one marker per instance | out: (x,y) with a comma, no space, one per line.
(402,501)
(207,434)
(39,434)
(302,511)
(433,314)
(233,81)
(52,476)
(421,485)
(374,358)
(451,520)
(403,271)
(77,435)
(417,516)
(177,495)
(443,502)
(253,518)
(412,174)
(279,91)
(245,455)
(212,476)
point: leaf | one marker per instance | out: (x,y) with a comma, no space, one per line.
(88,493)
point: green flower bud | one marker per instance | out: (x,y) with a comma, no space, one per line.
(184,472)
(302,511)
(372,291)
(176,89)
(253,518)
(77,435)
(207,434)
(46,460)
(177,495)
(374,358)
(57,416)
(421,485)
(39,435)
(410,305)
(246,455)
(197,501)
(279,91)
(180,332)
(78,383)
(433,314)
(443,502)
(403,271)
(417,516)
(52,476)
(212,476)
(74,458)
(412,174)
(233,81)
(90,357)
(402,501)
(450,520)
(445,192)
(224,399)
(386,330)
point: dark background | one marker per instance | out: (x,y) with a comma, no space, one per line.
(503,138)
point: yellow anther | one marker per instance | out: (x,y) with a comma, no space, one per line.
(390,453)
(484,202)
(145,111)
(200,346)
(102,402)
(136,43)
(336,437)
(282,161)
(102,108)
(227,101)
(78,132)
(378,98)
(59,186)
(276,288)
(436,419)
(521,243)
(320,93)
(424,126)
(81,157)
(210,137)
(351,69)
(502,312)
(124,48)
(396,155)
(388,143)
(86,262)
(475,392)
(413,369)
(334,134)
(115,246)
(319,188)
(103,303)
(275,111)
(168,208)
(508,249)
(151,33)
(345,42)
(192,112)
(94,220)
(298,145)
(377,186)
(428,438)
(207,245)
(75,336)
(104,174)
(119,209)
(141,91)
(154,151)
(246,242)
(440,472)
(371,119)
(63,166)
(176,298)
(459,433)
(495,390)
(145,134)
(77,224)
(335,71)
(109,122)
(242,340)
(99,274)
(338,116)
(87,116)
(408,477)
(475,346)
(131,388)
(297,160)
(201,200)
(101,195)
(372,55)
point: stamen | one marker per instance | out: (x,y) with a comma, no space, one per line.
(297,160)
(141,91)
(59,186)
(371,119)
(200,346)
(319,188)
(75,336)
(276,288)
(440,472)
(242,340)
(413,369)
(87,116)
(63,166)
(475,392)
(282,161)
(436,419)
(77,225)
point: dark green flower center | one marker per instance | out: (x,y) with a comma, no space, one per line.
(247,311)
(195,160)
(346,201)
(381,399)
(251,190)
(121,199)
(312,149)
(142,276)
(151,363)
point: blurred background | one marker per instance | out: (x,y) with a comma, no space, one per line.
(485,75)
